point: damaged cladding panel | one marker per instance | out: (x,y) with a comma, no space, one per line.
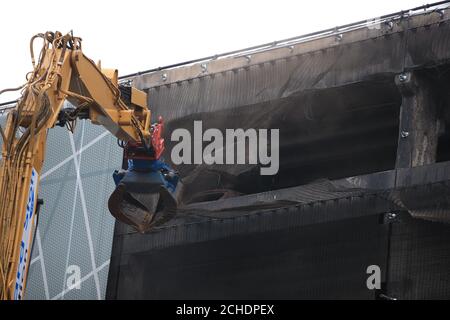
(363,119)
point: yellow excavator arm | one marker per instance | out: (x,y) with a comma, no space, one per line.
(62,72)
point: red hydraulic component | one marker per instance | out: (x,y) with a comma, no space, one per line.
(157,139)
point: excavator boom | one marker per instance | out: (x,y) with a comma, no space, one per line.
(62,72)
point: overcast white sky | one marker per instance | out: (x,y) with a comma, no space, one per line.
(135,35)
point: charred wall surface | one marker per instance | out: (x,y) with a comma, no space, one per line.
(334,100)
(363,178)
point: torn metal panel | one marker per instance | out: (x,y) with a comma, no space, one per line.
(392,189)
(319,91)
(353,226)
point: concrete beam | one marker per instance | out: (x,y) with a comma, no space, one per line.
(419,125)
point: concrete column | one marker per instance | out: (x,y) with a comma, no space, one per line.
(419,125)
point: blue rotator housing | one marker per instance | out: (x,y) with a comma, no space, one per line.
(146,195)
(144,176)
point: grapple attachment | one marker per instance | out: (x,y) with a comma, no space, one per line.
(145,199)
(148,193)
